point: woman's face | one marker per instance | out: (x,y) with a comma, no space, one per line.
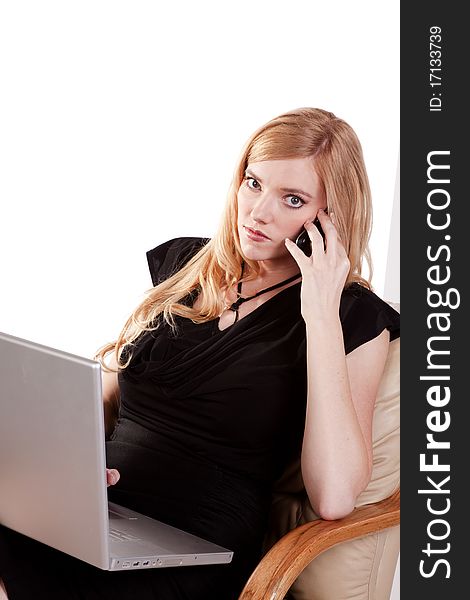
(276,198)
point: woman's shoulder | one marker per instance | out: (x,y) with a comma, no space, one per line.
(364,315)
(170,256)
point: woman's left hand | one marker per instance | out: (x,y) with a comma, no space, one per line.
(324,273)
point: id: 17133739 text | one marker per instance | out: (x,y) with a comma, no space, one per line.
(435,68)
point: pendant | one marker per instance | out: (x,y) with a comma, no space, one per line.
(236,305)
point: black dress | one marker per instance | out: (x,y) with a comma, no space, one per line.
(208,421)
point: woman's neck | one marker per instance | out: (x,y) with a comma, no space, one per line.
(273,271)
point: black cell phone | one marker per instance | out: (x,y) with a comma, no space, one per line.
(303,240)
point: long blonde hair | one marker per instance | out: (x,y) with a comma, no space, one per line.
(339,163)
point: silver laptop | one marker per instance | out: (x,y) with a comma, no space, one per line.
(52,467)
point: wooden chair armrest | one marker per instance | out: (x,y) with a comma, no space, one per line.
(284,562)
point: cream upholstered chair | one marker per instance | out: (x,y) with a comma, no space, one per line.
(348,559)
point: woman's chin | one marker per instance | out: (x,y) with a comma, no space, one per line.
(251,253)
(255,253)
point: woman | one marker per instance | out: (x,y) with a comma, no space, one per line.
(246,352)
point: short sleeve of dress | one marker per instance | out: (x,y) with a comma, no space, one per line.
(167,258)
(364,316)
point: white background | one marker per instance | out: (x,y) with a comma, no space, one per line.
(120,126)
(121,123)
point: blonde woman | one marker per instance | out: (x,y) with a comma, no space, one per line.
(247,351)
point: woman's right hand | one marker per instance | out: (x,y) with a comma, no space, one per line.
(112,476)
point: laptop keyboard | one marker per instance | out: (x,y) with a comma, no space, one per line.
(121,536)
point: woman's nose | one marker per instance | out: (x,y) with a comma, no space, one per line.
(262,209)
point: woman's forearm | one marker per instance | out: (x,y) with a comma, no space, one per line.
(335,462)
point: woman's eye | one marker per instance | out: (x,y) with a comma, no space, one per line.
(299,202)
(248,179)
(253,184)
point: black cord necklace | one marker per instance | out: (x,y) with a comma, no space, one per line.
(235,306)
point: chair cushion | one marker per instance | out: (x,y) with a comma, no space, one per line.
(362,568)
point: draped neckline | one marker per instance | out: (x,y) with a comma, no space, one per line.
(214,323)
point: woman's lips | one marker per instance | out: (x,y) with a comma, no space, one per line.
(255,236)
